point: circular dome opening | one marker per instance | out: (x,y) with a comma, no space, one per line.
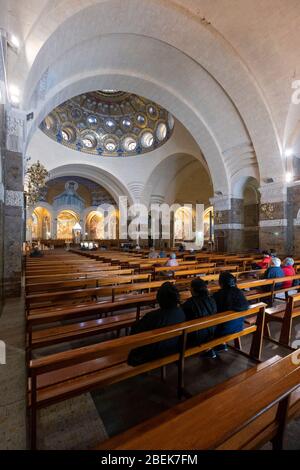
(129,144)
(147,139)
(110,144)
(161,132)
(89,141)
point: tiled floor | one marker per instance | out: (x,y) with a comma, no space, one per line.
(12,378)
(82,422)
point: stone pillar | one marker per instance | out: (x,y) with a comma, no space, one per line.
(293,219)
(2,126)
(13,201)
(273,231)
(228,223)
(157,242)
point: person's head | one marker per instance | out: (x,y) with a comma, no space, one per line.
(289,262)
(172,256)
(199,288)
(167,295)
(273,253)
(265,253)
(227,280)
(275,262)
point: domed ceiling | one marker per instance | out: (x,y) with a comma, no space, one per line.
(109,123)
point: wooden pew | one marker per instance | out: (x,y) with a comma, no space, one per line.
(98,281)
(63,297)
(285,317)
(63,375)
(109,270)
(242,414)
(59,334)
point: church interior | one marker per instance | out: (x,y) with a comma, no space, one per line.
(149,225)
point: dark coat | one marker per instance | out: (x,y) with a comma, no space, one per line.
(230,299)
(199,307)
(151,321)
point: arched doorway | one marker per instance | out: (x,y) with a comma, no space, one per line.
(101,226)
(95,225)
(39,224)
(251,198)
(208,225)
(183,225)
(66,221)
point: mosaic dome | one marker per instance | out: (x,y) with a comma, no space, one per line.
(109,123)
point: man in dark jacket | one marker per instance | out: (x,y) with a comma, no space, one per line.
(169,313)
(200,305)
(229,297)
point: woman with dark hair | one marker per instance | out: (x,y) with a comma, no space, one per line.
(200,305)
(229,297)
(169,313)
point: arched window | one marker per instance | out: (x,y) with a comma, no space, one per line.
(183,224)
(65,222)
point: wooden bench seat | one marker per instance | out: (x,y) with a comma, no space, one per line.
(109,271)
(103,280)
(242,414)
(68,296)
(285,317)
(74,331)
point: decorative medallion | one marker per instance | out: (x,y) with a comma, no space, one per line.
(268,210)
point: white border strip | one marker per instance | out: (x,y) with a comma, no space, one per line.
(229,227)
(273,223)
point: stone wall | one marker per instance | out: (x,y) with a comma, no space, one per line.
(13,203)
(1,206)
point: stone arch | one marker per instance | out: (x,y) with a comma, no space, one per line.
(202,43)
(161,184)
(109,182)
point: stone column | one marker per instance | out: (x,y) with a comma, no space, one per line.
(273,231)
(228,223)
(13,201)
(293,219)
(157,242)
(2,126)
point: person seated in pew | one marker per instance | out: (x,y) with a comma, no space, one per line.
(172,261)
(264,263)
(181,248)
(152,253)
(273,272)
(200,305)
(36,252)
(229,297)
(288,270)
(169,313)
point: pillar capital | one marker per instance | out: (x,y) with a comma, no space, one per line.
(221,203)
